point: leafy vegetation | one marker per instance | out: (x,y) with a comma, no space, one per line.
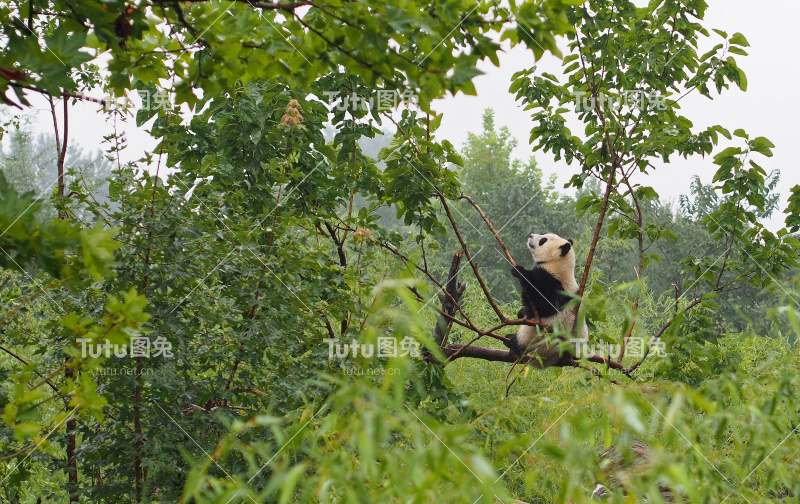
(275,223)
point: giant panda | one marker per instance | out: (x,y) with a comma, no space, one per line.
(546,288)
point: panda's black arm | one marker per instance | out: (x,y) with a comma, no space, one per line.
(543,290)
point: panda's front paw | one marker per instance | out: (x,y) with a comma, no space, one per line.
(512,344)
(518,272)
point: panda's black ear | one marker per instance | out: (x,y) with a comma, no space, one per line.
(565,248)
(570,241)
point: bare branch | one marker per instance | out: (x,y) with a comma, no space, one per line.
(491,228)
(484,288)
(661,333)
(597,229)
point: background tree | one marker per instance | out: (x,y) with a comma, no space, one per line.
(29,164)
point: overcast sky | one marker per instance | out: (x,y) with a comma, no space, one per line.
(769,107)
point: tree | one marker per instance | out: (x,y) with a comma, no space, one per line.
(609,62)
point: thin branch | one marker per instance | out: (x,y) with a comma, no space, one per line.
(406,260)
(596,235)
(34,295)
(64,94)
(46,380)
(464,247)
(594,371)
(491,228)
(661,333)
(66,136)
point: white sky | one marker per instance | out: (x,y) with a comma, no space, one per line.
(769,107)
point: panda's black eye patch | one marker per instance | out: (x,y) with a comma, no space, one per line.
(541,242)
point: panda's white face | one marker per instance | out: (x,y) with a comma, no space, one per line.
(553,253)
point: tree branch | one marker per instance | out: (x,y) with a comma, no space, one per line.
(661,333)
(449,302)
(596,235)
(484,288)
(491,228)
(46,379)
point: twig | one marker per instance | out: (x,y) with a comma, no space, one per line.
(491,228)
(595,372)
(661,333)
(484,288)
(406,260)
(64,94)
(46,380)
(34,295)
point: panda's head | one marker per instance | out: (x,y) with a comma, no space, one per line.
(552,252)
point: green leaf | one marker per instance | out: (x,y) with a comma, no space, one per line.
(23,429)
(737,50)
(738,39)
(762,145)
(742,80)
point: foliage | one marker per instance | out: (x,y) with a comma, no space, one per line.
(430,48)
(65,257)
